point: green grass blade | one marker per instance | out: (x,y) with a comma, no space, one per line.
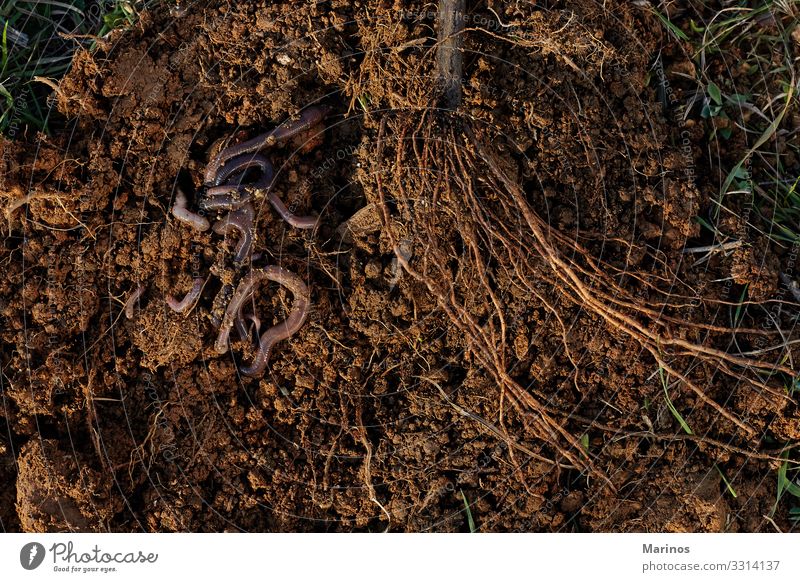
(725,480)
(671,27)
(5,49)
(671,406)
(470,521)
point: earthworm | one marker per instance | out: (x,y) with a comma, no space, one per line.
(256,321)
(225,197)
(241,220)
(244,162)
(304,222)
(241,326)
(242,293)
(189,299)
(183,214)
(232,195)
(308,119)
(284,330)
(130,304)
(239,323)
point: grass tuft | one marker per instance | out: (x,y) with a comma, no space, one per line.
(39,41)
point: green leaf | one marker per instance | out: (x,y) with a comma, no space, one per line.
(741,173)
(738,98)
(714,93)
(704,223)
(786,485)
(9,104)
(737,318)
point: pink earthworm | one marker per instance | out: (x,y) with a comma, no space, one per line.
(185,215)
(189,299)
(283,330)
(130,304)
(232,197)
(256,321)
(287,130)
(241,220)
(303,222)
(242,293)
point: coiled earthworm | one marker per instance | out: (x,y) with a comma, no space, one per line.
(189,299)
(308,119)
(241,220)
(232,195)
(130,304)
(284,330)
(241,326)
(241,164)
(185,215)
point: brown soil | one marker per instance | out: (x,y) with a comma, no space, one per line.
(447,356)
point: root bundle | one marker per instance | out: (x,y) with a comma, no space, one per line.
(476,232)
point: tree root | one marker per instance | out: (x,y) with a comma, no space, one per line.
(460,182)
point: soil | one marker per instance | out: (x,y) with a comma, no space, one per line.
(381,413)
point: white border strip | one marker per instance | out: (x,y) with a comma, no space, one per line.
(355,557)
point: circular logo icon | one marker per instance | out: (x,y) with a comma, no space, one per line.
(31,555)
